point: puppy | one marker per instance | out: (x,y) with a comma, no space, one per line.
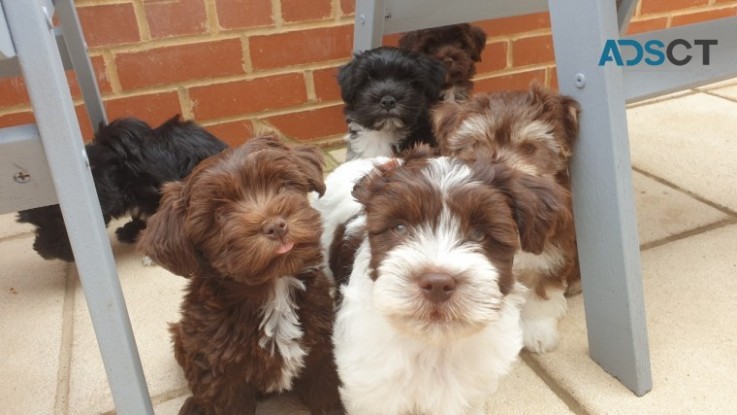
(532,132)
(257,314)
(429,318)
(388,93)
(458,46)
(129,162)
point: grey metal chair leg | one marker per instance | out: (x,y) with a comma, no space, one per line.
(77,48)
(369,27)
(606,224)
(47,87)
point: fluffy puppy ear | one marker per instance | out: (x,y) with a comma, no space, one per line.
(447,118)
(372,183)
(478,37)
(348,75)
(564,107)
(165,239)
(571,110)
(125,137)
(311,162)
(431,76)
(539,204)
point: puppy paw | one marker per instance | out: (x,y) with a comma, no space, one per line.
(128,233)
(540,335)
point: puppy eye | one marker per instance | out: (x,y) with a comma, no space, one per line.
(400,229)
(477,235)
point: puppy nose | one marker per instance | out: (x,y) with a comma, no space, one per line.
(437,287)
(388,102)
(275,228)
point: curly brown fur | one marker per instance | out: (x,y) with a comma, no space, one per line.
(458,46)
(257,315)
(534,132)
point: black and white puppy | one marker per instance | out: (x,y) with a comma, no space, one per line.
(388,93)
(130,161)
(429,318)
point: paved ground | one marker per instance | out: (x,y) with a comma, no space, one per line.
(683,148)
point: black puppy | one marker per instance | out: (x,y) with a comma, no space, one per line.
(129,161)
(388,93)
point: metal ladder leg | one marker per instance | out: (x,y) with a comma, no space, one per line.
(47,87)
(606,225)
(369,27)
(77,49)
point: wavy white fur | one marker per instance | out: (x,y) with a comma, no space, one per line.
(389,361)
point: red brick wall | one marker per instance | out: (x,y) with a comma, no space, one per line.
(233,64)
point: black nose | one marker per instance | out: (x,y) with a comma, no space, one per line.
(437,287)
(275,228)
(388,102)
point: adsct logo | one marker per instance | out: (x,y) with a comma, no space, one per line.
(679,52)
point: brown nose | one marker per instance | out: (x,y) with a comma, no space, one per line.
(437,287)
(275,228)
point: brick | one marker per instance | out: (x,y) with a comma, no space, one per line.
(234,133)
(660,6)
(176,18)
(648,25)
(513,25)
(685,19)
(517,81)
(103,82)
(26,117)
(153,108)
(301,47)
(243,97)
(101,74)
(553,78)
(13,92)
(348,6)
(85,125)
(493,58)
(391,40)
(171,64)
(16,118)
(109,24)
(532,50)
(241,14)
(311,124)
(301,10)
(326,84)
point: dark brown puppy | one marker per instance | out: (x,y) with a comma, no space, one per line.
(534,132)
(257,315)
(458,46)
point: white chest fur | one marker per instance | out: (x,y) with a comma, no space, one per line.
(366,143)
(282,331)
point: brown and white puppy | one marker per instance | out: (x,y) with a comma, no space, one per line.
(429,317)
(458,46)
(257,314)
(533,132)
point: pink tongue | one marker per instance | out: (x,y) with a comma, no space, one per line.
(283,249)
